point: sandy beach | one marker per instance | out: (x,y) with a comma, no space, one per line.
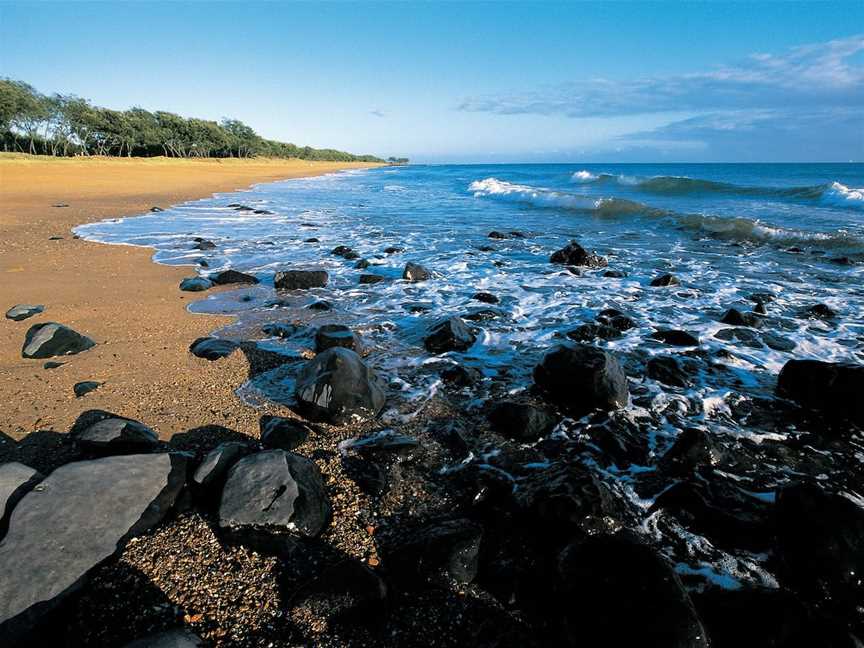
(131,307)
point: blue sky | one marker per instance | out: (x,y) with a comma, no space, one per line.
(473,82)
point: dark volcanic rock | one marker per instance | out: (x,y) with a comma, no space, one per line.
(337,386)
(383,442)
(574,254)
(232,277)
(82,514)
(819,311)
(393,250)
(115,435)
(300,279)
(820,543)
(50,339)
(280,329)
(367,279)
(615,274)
(483,315)
(16,480)
(589,332)
(743,335)
(521,421)
(778,342)
(348,592)
(498,235)
(211,473)
(204,245)
(211,348)
(692,449)
(581,378)
(275,490)
(415,272)
(282,433)
(616,319)
(334,335)
(667,370)
(450,334)
(616,591)
(736,318)
(675,337)
(195,284)
(320,305)
(85,387)
(23,311)
(459,376)
(665,280)
(52,365)
(345,252)
(485,297)
(362,264)
(833,388)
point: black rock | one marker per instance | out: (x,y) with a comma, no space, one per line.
(347,592)
(335,335)
(275,490)
(834,388)
(50,339)
(393,250)
(280,330)
(320,306)
(383,442)
(195,284)
(282,433)
(498,235)
(485,297)
(459,376)
(362,264)
(205,245)
(736,318)
(692,449)
(616,319)
(616,591)
(615,274)
(16,480)
(232,277)
(85,387)
(415,272)
(156,210)
(367,474)
(521,421)
(581,378)
(483,315)
(23,311)
(177,638)
(211,348)
(450,334)
(81,515)
(367,279)
(742,335)
(300,279)
(590,332)
(667,370)
(819,311)
(778,342)
(337,386)
(760,309)
(665,280)
(574,254)
(820,543)
(210,474)
(52,365)
(675,337)
(345,252)
(312,240)
(761,298)
(115,435)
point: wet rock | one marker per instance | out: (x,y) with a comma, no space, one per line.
(820,543)
(483,314)
(85,387)
(114,435)
(761,297)
(675,337)
(312,240)
(283,433)
(616,319)
(280,330)
(177,638)
(335,335)
(667,370)
(498,235)
(664,281)
(321,305)
(581,378)
(203,244)
(210,474)
(416,272)
(450,334)
(81,515)
(760,309)
(833,388)
(605,604)
(521,421)
(745,336)
(347,592)
(485,297)
(362,264)
(16,480)
(574,254)
(736,318)
(590,332)
(337,386)
(275,490)
(819,311)
(368,475)
(345,252)
(383,442)
(367,279)
(300,279)
(692,449)
(440,551)
(195,284)
(778,342)
(459,376)
(393,250)
(615,274)
(232,277)
(211,348)
(23,311)
(50,339)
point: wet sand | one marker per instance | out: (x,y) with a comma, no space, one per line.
(130,306)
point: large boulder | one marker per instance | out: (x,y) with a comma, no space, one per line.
(282,433)
(16,480)
(81,515)
(520,421)
(212,471)
(616,591)
(115,435)
(50,339)
(23,311)
(300,279)
(337,386)
(416,272)
(275,490)
(581,378)
(574,254)
(450,334)
(833,388)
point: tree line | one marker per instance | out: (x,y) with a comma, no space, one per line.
(67,125)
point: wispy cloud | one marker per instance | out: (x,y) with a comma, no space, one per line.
(378,113)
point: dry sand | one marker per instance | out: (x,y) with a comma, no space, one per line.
(131,307)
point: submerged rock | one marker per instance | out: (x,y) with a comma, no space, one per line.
(203,244)
(736,318)
(590,332)
(667,370)
(574,254)
(833,388)
(345,252)
(485,297)
(616,319)
(819,311)
(211,348)
(83,514)
(367,279)
(675,337)
(50,339)
(335,335)
(450,334)
(337,386)
(300,279)
(232,277)
(23,311)
(521,421)
(664,281)
(416,272)
(582,378)
(195,284)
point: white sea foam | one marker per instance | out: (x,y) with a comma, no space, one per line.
(584,176)
(843,196)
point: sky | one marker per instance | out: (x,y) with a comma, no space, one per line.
(473,82)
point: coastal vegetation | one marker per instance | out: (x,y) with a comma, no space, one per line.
(67,125)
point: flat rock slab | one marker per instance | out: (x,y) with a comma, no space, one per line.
(23,311)
(81,515)
(16,480)
(50,339)
(116,435)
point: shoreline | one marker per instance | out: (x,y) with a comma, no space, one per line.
(129,304)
